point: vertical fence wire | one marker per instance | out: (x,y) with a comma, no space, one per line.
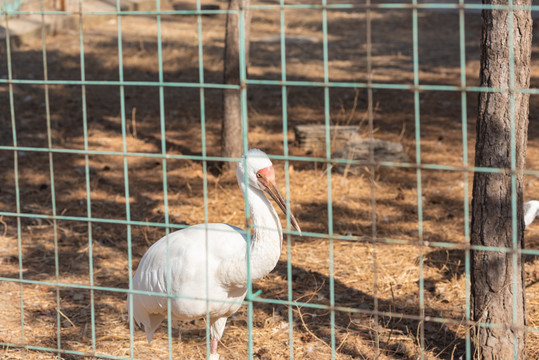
(51,171)
(16,177)
(125,172)
(87,179)
(129,247)
(284,106)
(284,84)
(327,123)
(514,227)
(464,124)
(204,164)
(162,127)
(244,124)
(372,170)
(415,35)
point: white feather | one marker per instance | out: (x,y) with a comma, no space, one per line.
(530,212)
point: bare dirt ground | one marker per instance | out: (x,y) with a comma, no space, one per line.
(395,287)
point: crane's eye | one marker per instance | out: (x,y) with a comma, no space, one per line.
(258,175)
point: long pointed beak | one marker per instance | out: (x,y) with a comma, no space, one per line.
(275,194)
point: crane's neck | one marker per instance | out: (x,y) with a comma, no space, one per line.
(266,242)
(267,237)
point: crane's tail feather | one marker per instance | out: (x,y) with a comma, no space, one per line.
(154,320)
(150,321)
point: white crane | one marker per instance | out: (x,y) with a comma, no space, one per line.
(218,248)
(530,212)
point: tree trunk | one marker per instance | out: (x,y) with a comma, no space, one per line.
(231,132)
(492,271)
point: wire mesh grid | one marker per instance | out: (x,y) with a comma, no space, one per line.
(284,84)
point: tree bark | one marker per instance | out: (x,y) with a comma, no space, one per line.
(231,131)
(492,271)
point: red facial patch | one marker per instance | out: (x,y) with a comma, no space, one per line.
(268,174)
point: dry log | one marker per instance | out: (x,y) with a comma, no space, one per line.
(312,138)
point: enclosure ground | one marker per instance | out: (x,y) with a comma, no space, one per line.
(385,273)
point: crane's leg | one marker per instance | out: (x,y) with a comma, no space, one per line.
(213,349)
(216,331)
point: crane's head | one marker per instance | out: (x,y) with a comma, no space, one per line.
(257,166)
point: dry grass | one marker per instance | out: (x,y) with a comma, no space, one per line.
(394,286)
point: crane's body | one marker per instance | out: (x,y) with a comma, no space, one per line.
(207,263)
(187,275)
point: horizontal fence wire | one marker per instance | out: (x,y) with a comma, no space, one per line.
(255,297)
(321,84)
(384,240)
(415,87)
(333,161)
(350,6)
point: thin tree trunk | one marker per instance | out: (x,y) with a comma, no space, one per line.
(492,271)
(231,132)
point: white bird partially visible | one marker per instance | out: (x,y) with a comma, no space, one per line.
(218,248)
(530,212)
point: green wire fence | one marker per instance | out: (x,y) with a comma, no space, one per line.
(252,298)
